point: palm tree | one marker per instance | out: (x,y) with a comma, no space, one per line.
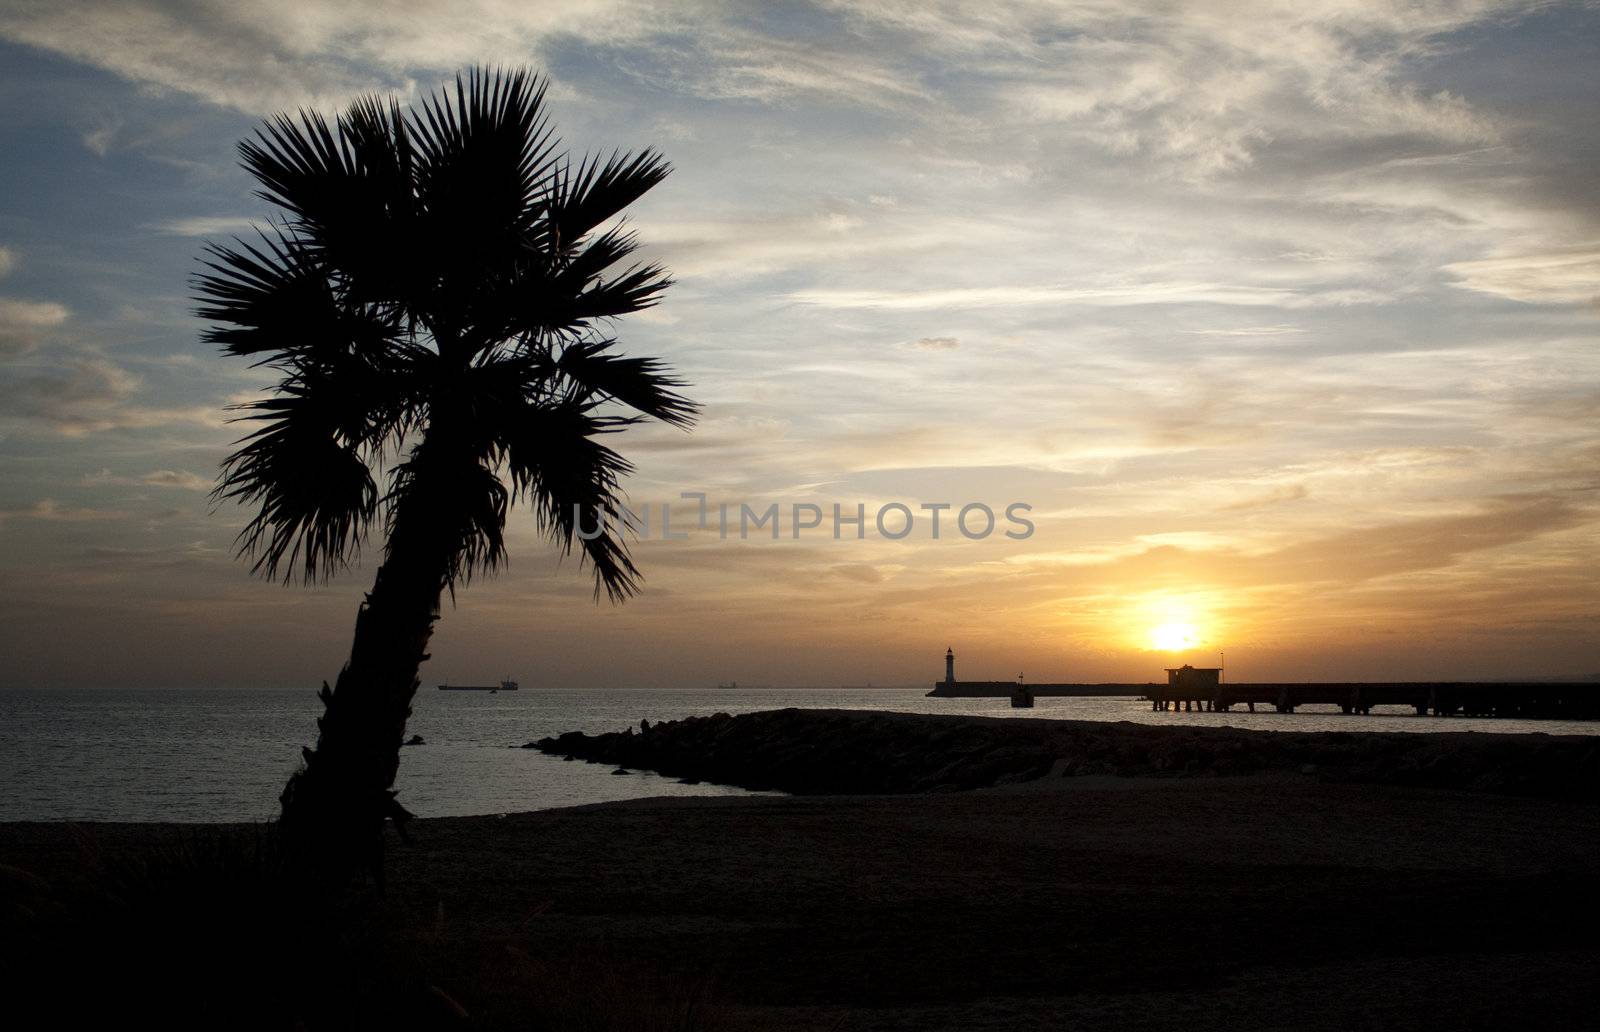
(433,293)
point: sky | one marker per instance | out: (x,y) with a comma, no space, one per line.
(1281,318)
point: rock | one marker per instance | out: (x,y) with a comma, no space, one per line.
(842,751)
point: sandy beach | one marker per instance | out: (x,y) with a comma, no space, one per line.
(1271,901)
(1108,904)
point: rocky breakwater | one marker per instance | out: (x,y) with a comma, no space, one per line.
(810,751)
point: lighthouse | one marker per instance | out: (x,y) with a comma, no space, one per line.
(950,667)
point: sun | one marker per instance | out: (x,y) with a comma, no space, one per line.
(1172,622)
(1174,637)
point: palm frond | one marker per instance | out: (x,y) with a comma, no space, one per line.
(347,188)
(483,153)
(277,299)
(556,461)
(640,383)
(537,307)
(583,199)
(580,202)
(314,492)
(635,290)
(301,167)
(440,496)
(598,255)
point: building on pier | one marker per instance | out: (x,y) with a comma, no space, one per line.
(1189,677)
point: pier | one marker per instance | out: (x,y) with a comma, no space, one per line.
(1525,699)
(1202,690)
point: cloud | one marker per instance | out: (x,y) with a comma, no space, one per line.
(1150,293)
(742,246)
(1191,93)
(207,225)
(1562,277)
(75,395)
(100,139)
(734,64)
(177,478)
(937,343)
(71,388)
(1422,544)
(1204,83)
(302,52)
(1276,496)
(22,323)
(170,478)
(1200,87)
(1250,331)
(76,391)
(1367,553)
(31,314)
(51,511)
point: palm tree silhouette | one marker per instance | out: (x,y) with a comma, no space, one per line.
(432,293)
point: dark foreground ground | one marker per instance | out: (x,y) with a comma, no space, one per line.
(1276,900)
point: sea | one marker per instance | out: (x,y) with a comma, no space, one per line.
(224,754)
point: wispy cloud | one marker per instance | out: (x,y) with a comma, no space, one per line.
(178,478)
(78,391)
(31,314)
(22,322)
(304,52)
(50,511)
(1171,293)
(1563,277)
(1276,496)
(1281,330)
(208,225)
(102,137)
(74,395)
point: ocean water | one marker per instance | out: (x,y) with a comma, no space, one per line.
(223,755)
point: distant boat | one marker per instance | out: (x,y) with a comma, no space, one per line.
(503,686)
(730,684)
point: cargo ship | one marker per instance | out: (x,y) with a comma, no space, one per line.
(503,686)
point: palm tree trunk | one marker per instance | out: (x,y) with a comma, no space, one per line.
(335,806)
